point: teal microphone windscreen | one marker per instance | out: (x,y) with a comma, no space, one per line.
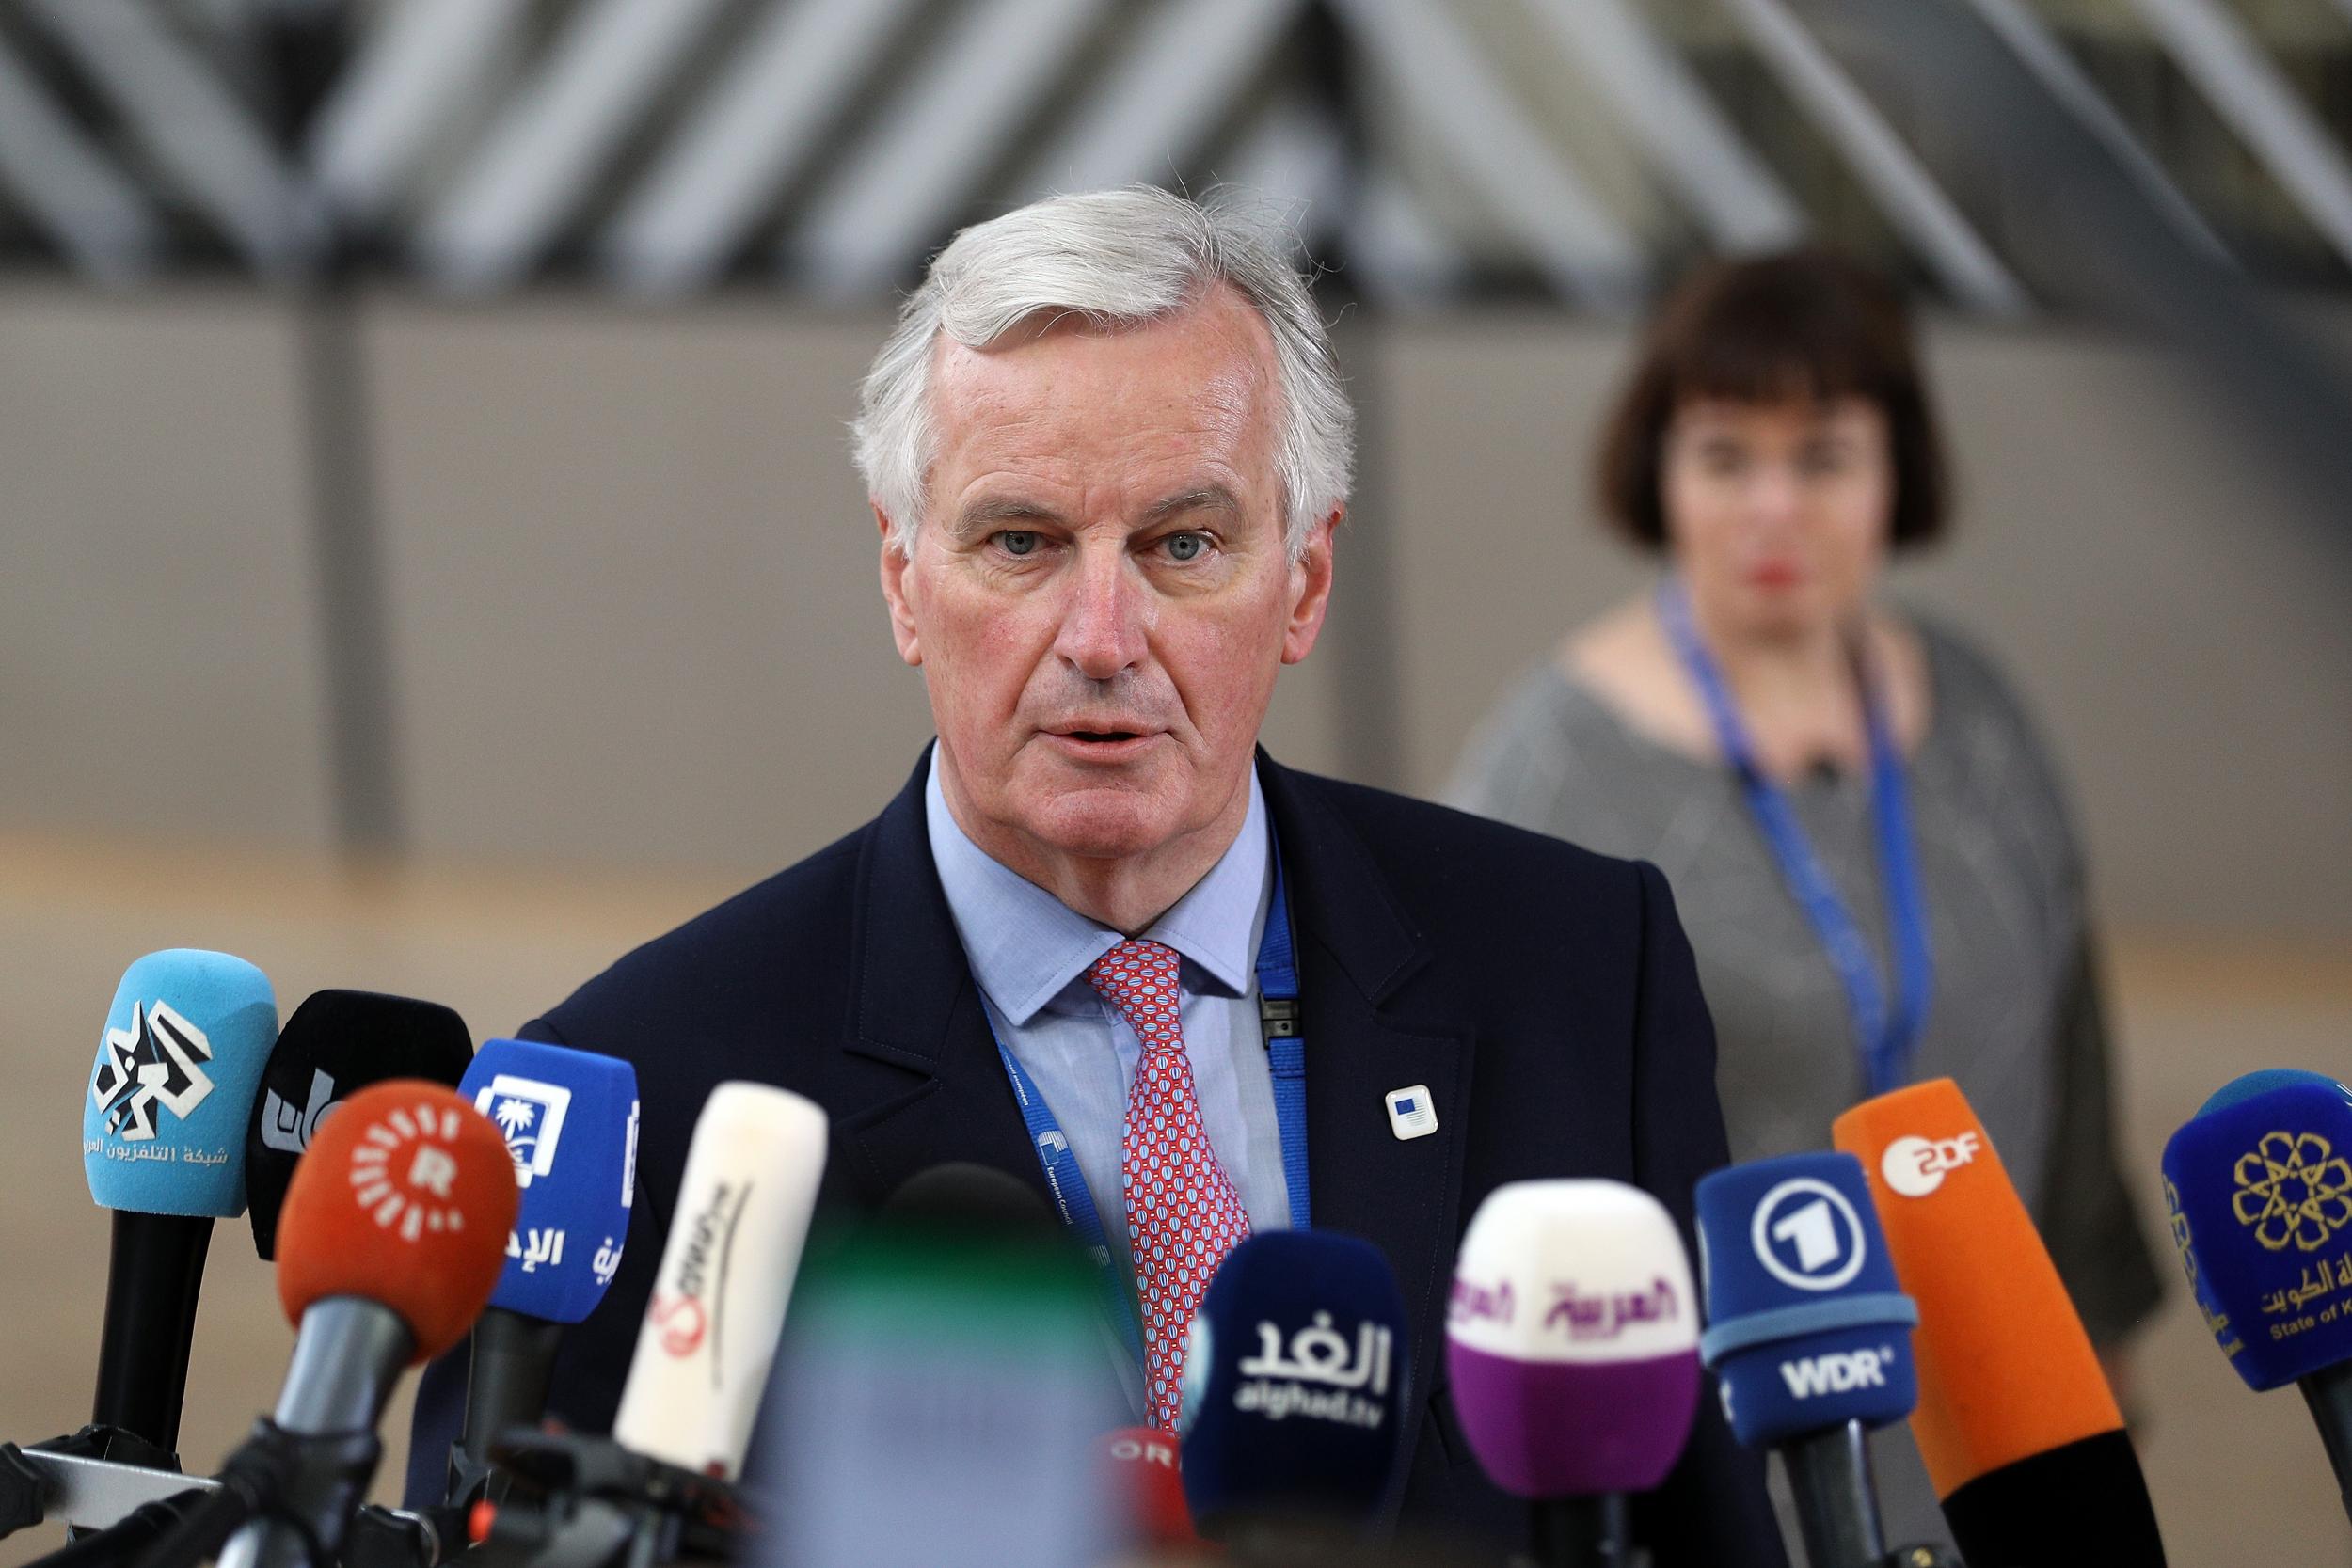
(164,1112)
(569,1119)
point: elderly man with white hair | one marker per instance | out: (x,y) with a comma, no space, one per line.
(1099,931)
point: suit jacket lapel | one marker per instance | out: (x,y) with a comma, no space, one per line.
(937,1089)
(1369,1029)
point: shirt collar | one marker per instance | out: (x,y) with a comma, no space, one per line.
(1026,945)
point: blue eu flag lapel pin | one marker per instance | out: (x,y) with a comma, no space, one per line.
(1411,1112)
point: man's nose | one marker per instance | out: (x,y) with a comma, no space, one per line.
(1102,625)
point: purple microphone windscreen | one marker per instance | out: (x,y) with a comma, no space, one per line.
(1572,1339)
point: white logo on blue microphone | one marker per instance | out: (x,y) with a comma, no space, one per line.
(158,1061)
(1807,1235)
(530,1114)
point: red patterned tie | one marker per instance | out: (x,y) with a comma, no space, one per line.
(1182,1214)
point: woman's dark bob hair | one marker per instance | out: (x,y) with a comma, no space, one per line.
(1803,325)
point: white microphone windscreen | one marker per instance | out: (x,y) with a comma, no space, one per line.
(710,1329)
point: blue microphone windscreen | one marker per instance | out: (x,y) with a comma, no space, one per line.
(1295,1374)
(2259,1196)
(2247,1084)
(165,1112)
(570,1121)
(1806,1326)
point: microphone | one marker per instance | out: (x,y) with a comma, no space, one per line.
(162,1147)
(335,1042)
(391,1237)
(1145,1469)
(1808,1336)
(2259,1187)
(710,1329)
(2021,1437)
(569,1119)
(1573,1345)
(1293,1393)
(942,1393)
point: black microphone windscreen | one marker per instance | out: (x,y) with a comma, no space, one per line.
(336,1043)
(2083,1501)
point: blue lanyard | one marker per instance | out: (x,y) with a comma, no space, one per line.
(1887,1035)
(1280,1018)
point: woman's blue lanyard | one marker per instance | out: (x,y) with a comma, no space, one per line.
(1887,1037)
(1280,1020)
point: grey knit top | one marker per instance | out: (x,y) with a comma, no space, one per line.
(2015,1016)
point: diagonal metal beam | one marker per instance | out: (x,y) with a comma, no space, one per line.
(1662,104)
(2213,50)
(2030,40)
(68,187)
(1292,158)
(209,146)
(1400,256)
(424,64)
(556,136)
(793,77)
(959,109)
(1178,76)
(1906,192)
(1581,246)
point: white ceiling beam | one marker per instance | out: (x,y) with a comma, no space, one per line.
(68,188)
(209,146)
(795,74)
(1577,243)
(1165,96)
(426,61)
(1905,192)
(2030,40)
(952,119)
(1667,112)
(2247,89)
(556,136)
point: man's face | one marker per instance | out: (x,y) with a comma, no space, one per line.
(1098,593)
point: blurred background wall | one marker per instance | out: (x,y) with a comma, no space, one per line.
(429,556)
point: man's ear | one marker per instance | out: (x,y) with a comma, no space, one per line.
(1310,589)
(894,587)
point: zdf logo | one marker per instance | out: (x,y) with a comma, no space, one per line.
(1914,1166)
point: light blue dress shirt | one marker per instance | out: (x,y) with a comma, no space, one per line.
(1030,953)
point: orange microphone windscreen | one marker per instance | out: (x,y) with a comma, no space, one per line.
(404,1198)
(2005,1369)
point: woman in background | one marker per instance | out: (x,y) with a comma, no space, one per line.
(1867,841)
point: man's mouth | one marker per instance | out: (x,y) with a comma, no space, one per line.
(1100,735)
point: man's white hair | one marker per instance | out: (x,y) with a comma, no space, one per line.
(1120,258)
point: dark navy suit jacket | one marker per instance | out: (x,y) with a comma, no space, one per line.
(1545,995)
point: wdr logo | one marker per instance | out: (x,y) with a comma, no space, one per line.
(1838,1372)
(1807,1235)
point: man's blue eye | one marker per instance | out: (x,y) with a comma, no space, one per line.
(1017,540)
(1185,547)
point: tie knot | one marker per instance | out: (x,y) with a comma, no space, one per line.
(1140,978)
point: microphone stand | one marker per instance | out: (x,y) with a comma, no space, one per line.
(1582,1532)
(2328,1392)
(1837,1512)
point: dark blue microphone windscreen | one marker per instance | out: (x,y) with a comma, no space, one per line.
(1806,1326)
(2258,1192)
(1294,1382)
(570,1122)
